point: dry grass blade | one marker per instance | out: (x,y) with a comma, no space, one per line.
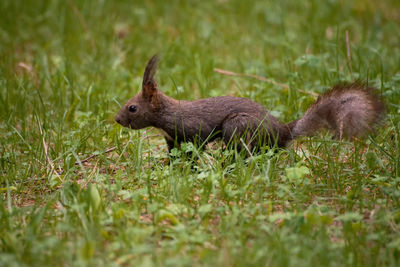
(46,151)
(263,79)
(95,155)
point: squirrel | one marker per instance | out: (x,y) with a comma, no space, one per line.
(348,110)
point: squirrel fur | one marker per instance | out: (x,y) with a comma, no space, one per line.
(348,110)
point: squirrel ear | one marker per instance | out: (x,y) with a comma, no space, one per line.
(149,90)
(149,85)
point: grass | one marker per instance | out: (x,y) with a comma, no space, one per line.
(67,66)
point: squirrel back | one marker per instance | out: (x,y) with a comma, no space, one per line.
(348,110)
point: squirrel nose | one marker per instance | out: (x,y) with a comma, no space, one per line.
(118,119)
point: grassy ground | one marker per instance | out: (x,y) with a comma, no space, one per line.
(67,66)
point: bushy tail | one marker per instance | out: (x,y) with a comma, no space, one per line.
(348,110)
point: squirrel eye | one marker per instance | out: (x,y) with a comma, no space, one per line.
(132,108)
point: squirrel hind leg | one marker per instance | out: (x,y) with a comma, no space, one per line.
(249,133)
(235,131)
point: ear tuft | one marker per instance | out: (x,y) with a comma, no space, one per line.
(149,85)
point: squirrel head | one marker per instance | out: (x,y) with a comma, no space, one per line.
(141,110)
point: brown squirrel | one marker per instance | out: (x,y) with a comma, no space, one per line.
(348,110)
